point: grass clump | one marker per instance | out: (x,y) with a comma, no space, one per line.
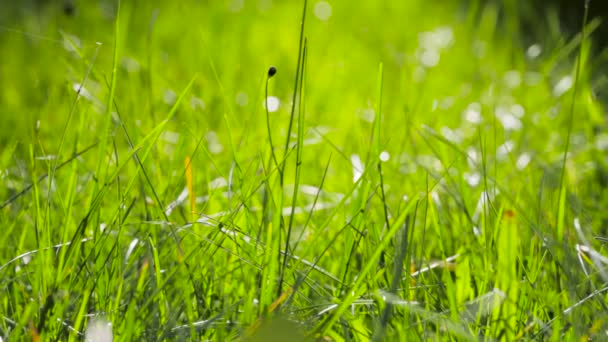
(430,178)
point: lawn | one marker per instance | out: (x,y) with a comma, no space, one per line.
(283,170)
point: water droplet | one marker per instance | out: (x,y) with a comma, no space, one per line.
(322,10)
(273,103)
(384,156)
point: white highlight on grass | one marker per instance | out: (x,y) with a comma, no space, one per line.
(601,141)
(170,137)
(435,264)
(472,157)
(314,135)
(562,86)
(384,156)
(358,167)
(503,150)
(169,97)
(440,38)
(71,43)
(84,92)
(534,51)
(273,103)
(129,64)
(196,103)
(322,10)
(523,161)
(472,178)
(512,79)
(482,202)
(213,142)
(179,200)
(367,114)
(509,121)
(98,330)
(429,162)
(431,43)
(47,157)
(472,113)
(454,135)
(130,249)
(242,99)
(429,58)
(218,183)
(394,299)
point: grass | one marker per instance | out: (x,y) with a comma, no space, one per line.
(430,173)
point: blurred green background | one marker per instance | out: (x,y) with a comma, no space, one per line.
(477,98)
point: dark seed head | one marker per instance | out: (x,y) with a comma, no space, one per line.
(271,71)
(68,8)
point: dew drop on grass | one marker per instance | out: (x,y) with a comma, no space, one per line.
(273,103)
(322,10)
(384,156)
